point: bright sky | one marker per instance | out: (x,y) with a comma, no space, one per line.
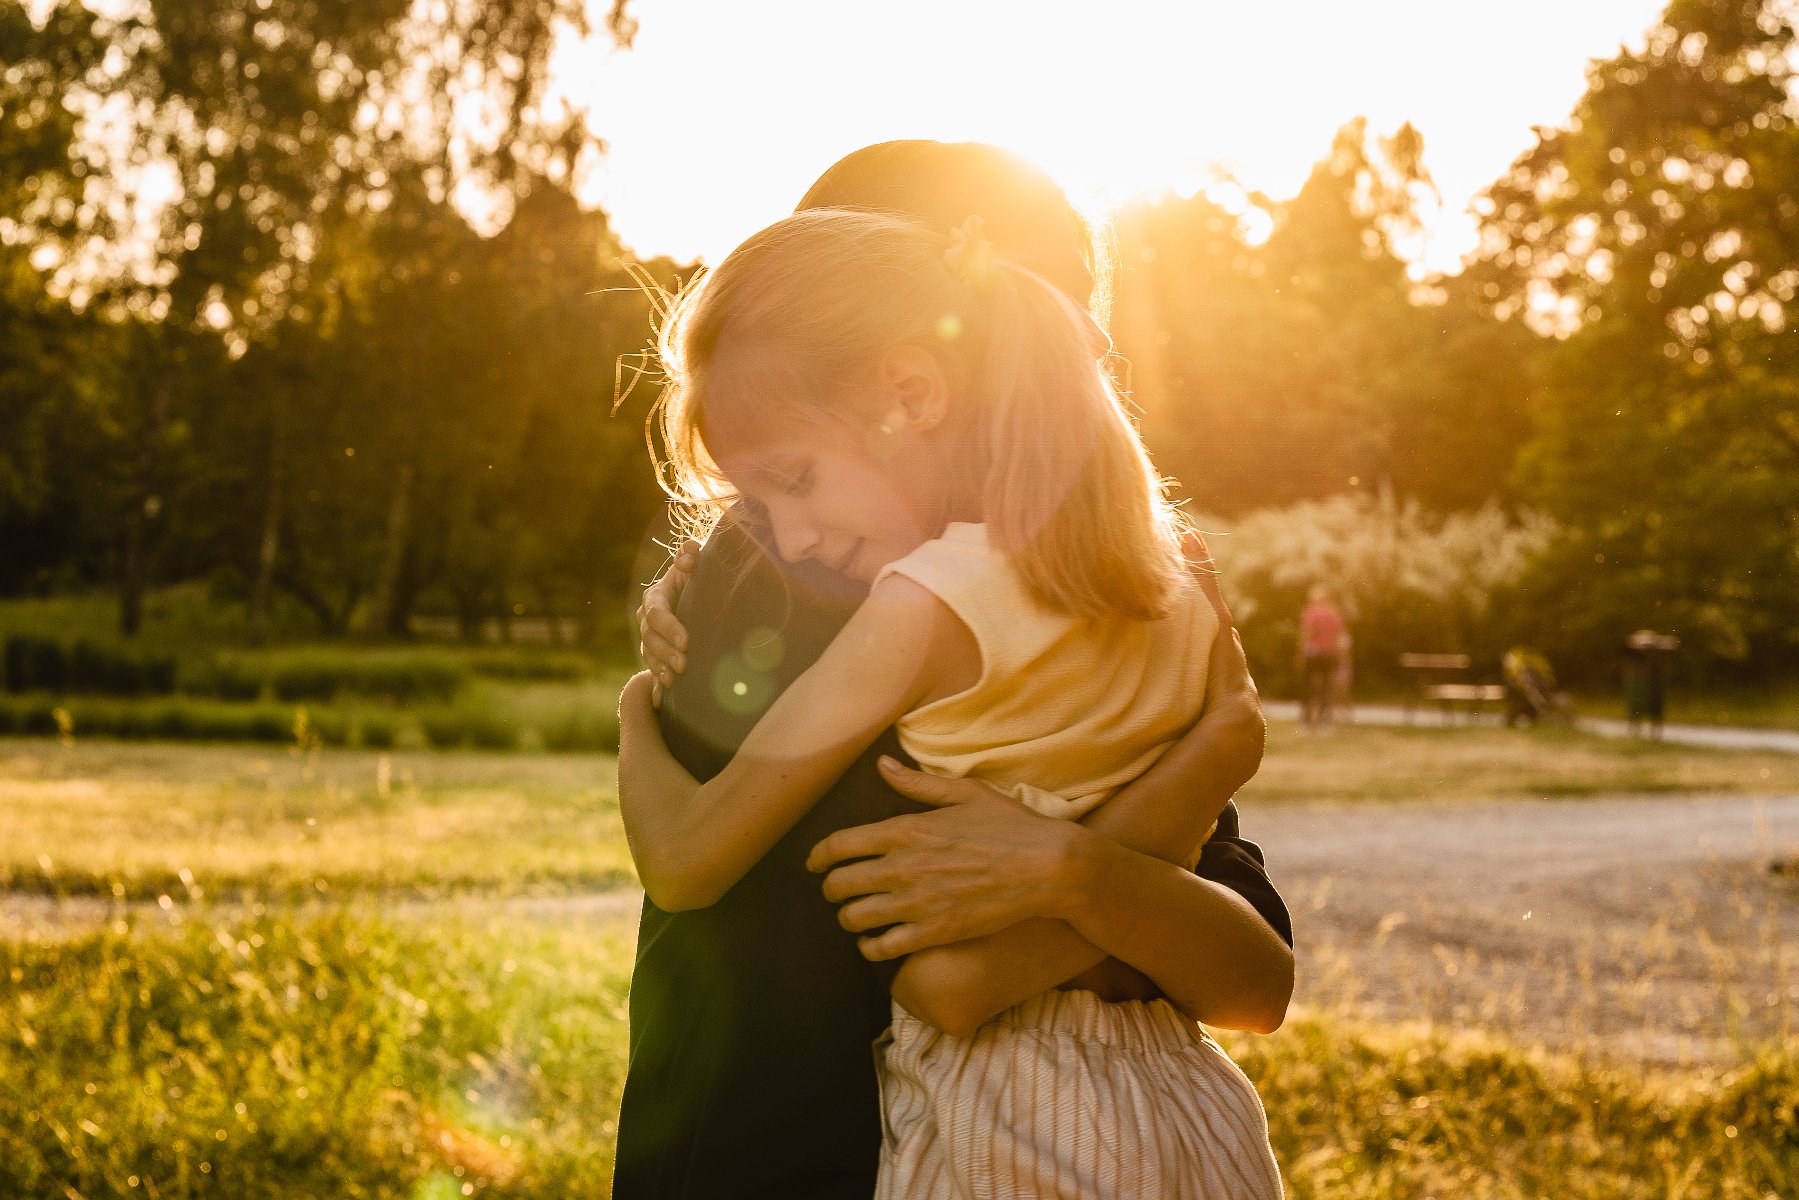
(725,111)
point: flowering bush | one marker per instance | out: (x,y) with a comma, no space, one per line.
(1407,579)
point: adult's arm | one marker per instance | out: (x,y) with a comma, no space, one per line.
(995,904)
(1065,897)
(986,928)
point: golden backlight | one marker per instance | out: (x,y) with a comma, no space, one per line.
(723,112)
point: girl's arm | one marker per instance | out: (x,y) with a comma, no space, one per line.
(691,841)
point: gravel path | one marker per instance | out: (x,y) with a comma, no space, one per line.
(1715,737)
(1651,924)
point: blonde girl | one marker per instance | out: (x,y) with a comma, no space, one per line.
(932,420)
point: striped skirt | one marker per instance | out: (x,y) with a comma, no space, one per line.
(1070,1097)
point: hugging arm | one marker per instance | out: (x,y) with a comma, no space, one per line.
(975,869)
(995,904)
(692,841)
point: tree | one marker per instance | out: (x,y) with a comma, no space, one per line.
(283,130)
(1311,364)
(1656,237)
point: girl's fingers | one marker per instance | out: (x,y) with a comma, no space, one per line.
(663,646)
(665,625)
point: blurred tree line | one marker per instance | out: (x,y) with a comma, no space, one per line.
(317,379)
(308,374)
(1620,353)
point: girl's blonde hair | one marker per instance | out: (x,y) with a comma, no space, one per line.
(1044,446)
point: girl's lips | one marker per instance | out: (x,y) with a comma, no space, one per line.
(843,565)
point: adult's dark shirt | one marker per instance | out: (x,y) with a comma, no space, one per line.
(751,1062)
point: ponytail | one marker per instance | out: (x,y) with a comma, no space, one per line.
(1070,492)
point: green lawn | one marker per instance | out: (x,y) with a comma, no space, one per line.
(143,820)
(1380,763)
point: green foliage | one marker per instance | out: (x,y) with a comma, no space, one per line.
(1654,231)
(328,673)
(256,824)
(46,664)
(560,718)
(1356,1112)
(339,1056)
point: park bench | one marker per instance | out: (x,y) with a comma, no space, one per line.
(1441,679)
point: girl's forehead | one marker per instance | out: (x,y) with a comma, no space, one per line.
(778,448)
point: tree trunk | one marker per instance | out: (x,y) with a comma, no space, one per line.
(143,508)
(390,609)
(269,547)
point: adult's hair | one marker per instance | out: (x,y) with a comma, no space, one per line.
(1028,217)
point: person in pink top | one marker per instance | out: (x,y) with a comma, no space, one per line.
(1323,639)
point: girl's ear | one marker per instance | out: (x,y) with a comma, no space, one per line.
(916,389)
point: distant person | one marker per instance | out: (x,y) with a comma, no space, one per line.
(1646,681)
(751,1019)
(1322,649)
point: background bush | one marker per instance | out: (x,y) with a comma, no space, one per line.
(1408,580)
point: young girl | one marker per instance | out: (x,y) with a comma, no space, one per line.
(934,421)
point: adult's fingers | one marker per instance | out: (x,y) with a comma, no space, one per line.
(1197,553)
(1205,572)
(934,790)
(872,912)
(896,942)
(860,877)
(861,841)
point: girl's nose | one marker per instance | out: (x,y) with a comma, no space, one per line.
(794,539)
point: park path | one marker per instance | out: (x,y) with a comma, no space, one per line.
(1716,737)
(1659,925)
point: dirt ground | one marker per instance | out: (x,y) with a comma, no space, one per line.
(1652,927)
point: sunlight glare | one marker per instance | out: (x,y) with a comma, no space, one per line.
(722,114)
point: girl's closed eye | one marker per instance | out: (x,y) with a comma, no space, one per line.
(797,483)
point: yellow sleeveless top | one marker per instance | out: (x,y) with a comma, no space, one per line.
(1067,709)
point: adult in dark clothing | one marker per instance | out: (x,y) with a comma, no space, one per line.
(751,1069)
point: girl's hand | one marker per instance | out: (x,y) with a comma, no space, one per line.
(663,639)
(980,864)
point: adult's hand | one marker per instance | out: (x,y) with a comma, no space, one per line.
(662,639)
(979,864)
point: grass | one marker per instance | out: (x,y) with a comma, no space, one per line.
(331,1057)
(142,821)
(492,715)
(336,1056)
(1375,763)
